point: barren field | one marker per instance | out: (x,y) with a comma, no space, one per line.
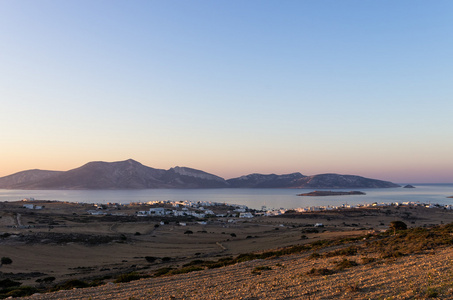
(62,241)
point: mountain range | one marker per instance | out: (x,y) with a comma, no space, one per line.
(130,174)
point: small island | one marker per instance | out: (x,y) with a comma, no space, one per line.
(331,193)
(409,186)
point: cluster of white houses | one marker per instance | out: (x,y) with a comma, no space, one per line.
(195,209)
(204,209)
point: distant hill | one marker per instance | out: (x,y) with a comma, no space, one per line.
(336,181)
(130,174)
(22,179)
(266,181)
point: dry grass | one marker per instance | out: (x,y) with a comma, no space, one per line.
(340,261)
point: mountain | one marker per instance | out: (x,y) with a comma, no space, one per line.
(22,179)
(337,181)
(130,174)
(127,174)
(297,180)
(266,181)
(181,177)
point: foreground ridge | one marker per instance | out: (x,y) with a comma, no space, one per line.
(414,276)
(400,262)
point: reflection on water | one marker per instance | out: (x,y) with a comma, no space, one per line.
(253,198)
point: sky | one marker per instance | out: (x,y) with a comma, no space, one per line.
(230,87)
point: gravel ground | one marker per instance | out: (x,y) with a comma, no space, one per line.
(420,276)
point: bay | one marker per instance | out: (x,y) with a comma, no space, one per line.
(253,198)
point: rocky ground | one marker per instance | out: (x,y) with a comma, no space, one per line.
(420,276)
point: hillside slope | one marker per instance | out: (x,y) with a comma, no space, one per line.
(418,276)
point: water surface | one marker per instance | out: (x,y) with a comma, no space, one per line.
(253,198)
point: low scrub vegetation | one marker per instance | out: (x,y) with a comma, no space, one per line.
(366,249)
(257,270)
(129,277)
(388,245)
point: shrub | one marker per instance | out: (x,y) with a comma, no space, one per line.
(314,255)
(195,262)
(21,292)
(129,277)
(6,261)
(349,251)
(74,283)
(162,271)
(345,264)
(257,270)
(321,271)
(263,268)
(6,283)
(397,225)
(46,280)
(186,270)
(431,293)
(368,260)
(150,259)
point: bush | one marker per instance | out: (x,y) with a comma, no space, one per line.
(263,268)
(74,283)
(129,277)
(368,260)
(257,270)
(150,259)
(21,292)
(345,264)
(6,283)
(6,261)
(46,280)
(162,271)
(314,255)
(348,251)
(186,270)
(318,272)
(397,225)
(195,263)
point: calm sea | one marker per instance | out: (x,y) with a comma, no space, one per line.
(253,198)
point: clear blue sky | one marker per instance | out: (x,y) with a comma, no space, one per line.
(230,87)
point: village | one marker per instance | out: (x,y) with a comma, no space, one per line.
(206,210)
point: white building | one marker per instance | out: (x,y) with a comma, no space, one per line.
(157,211)
(245,215)
(32,206)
